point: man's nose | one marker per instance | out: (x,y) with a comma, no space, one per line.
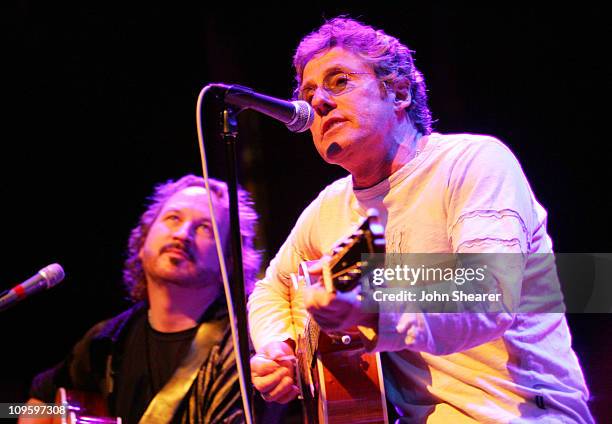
(322,102)
(184,231)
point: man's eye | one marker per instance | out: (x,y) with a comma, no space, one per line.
(172,218)
(338,82)
(307,94)
(205,227)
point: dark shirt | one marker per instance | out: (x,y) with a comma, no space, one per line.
(128,362)
(149,360)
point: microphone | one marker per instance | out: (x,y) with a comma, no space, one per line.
(46,278)
(296,115)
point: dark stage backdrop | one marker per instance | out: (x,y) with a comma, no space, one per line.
(99,107)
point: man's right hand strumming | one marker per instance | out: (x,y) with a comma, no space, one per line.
(272,372)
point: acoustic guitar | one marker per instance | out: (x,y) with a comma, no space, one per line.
(340,382)
(83,407)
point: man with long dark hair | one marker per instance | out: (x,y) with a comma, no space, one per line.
(179,320)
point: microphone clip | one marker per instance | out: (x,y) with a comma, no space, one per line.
(229,121)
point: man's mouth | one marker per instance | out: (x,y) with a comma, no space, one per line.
(330,124)
(178,251)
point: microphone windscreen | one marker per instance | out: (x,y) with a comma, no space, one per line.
(304,116)
(53,274)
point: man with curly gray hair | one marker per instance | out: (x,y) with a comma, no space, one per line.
(138,360)
(435,193)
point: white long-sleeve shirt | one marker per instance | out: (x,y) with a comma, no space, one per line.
(464,193)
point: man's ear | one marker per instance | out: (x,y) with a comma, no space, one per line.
(403,99)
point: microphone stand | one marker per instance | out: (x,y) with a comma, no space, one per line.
(229,135)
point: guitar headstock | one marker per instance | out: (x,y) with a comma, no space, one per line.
(344,268)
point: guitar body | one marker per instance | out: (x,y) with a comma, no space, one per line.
(348,385)
(339,381)
(83,407)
